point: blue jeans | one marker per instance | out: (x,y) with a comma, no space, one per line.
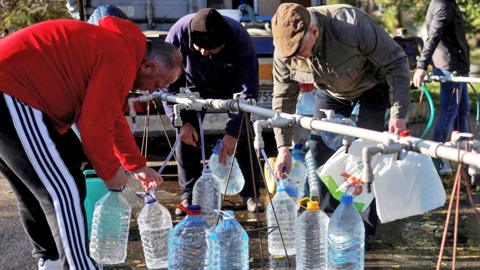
(453,108)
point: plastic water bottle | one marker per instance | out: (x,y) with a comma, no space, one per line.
(154,224)
(312,176)
(286,211)
(346,237)
(306,103)
(110,224)
(298,173)
(334,140)
(187,243)
(220,172)
(206,194)
(230,245)
(311,230)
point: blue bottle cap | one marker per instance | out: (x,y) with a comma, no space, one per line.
(150,200)
(346,198)
(194,207)
(298,146)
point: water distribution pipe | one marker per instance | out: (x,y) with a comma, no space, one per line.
(429,148)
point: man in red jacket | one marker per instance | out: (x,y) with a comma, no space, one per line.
(63,72)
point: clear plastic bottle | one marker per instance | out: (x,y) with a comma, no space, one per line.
(312,176)
(154,224)
(110,224)
(346,237)
(334,140)
(298,173)
(187,243)
(286,211)
(220,172)
(230,245)
(207,194)
(311,230)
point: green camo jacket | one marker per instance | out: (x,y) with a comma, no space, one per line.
(352,54)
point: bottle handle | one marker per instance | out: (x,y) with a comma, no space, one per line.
(301,201)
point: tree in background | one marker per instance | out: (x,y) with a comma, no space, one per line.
(16,14)
(393,13)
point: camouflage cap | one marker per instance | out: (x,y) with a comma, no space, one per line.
(289,25)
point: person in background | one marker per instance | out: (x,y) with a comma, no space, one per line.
(91,69)
(342,50)
(219,60)
(447,48)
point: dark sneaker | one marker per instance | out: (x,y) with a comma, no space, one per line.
(180,210)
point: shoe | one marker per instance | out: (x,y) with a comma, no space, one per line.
(49,265)
(179,211)
(253,205)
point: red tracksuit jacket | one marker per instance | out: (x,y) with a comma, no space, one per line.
(80,73)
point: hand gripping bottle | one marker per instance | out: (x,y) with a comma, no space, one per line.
(298,174)
(220,173)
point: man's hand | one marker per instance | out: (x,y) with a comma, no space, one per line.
(418,77)
(227,149)
(396,126)
(188,134)
(118,181)
(284,160)
(148,177)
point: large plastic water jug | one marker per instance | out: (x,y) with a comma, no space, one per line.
(311,230)
(207,194)
(221,173)
(346,237)
(298,173)
(154,224)
(334,140)
(110,224)
(286,214)
(230,245)
(187,243)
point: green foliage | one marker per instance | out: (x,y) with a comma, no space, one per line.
(418,10)
(16,14)
(471,15)
(475,56)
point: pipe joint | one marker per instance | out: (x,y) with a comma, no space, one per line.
(177,119)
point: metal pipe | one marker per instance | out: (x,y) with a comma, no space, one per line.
(429,148)
(451,78)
